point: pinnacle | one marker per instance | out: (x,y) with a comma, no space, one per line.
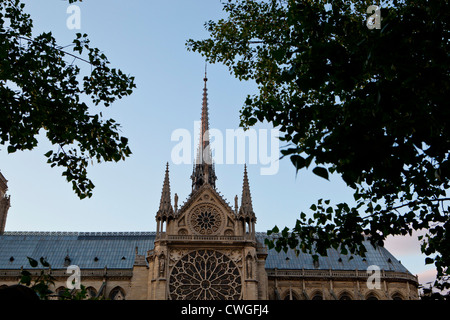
(165,206)
(246,208)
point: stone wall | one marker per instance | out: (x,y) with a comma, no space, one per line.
(283,287)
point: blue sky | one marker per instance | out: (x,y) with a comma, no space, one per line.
(147,40)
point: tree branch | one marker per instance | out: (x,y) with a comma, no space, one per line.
(60,50)
(404,205)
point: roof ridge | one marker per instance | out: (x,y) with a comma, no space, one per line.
(194,195)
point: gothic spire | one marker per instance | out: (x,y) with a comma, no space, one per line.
(204,168)
(246,209)
(204,130)
(165,206)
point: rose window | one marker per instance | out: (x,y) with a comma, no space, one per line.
(206,220)
(205,275)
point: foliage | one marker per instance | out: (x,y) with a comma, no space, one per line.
(42,284)
(43,90)
(437,291)
(367,104)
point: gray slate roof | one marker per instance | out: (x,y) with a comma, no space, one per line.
(82,248)
(116,250)
(380,257)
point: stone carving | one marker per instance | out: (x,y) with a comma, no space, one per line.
(249,266)
(162,264)
(229,232)
(205,220)
(235,255)
(176,254)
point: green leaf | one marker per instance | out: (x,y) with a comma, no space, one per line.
(44,262)
(269,243)
(321,172)
(252,121)
(26,280)
(289,151)
(298,161)
(33,263)
(25,273)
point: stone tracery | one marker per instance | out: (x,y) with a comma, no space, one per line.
(205,220)
(205,275)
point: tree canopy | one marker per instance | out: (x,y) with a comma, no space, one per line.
(367,103)
(42,89)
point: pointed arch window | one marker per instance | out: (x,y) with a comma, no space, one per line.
(117,294)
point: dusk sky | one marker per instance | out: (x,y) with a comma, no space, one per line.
(147,39)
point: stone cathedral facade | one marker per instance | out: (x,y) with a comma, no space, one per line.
(203,249)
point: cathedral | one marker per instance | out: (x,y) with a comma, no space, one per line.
(204,249)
